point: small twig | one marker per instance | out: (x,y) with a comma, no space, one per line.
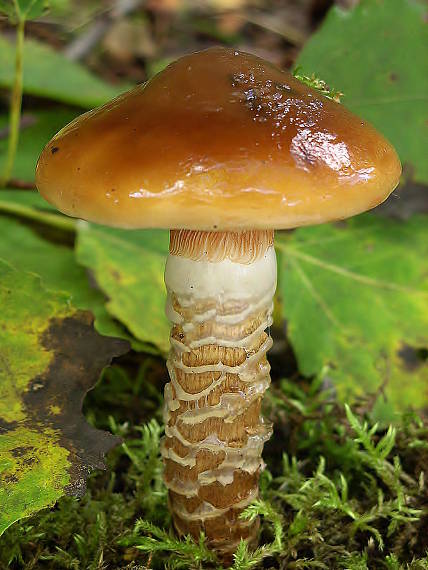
(278,23)
(17,184)
(82,45)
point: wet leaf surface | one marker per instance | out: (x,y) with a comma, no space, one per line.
(50,356)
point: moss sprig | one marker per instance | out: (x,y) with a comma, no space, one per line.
(318,84)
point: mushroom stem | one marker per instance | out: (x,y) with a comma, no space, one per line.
(220,299)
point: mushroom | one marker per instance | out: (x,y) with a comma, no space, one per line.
(221,148)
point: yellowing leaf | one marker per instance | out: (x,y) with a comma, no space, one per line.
(50,356)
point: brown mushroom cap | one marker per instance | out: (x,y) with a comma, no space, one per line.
(223,140)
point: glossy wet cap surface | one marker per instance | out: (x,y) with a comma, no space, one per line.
(220,139)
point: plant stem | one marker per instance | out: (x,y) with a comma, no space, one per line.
(15,104)
(50,219)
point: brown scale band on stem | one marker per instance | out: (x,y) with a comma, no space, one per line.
(226,530)
(230,383)
(226,308)
(205,460)
(232,433)
(217,330)
(214,354)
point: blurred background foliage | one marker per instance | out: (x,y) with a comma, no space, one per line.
(352,302)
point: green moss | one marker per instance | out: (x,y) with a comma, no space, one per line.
(351,494)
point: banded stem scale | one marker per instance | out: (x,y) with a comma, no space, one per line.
(220,298)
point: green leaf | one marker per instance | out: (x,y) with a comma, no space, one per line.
(23,9)
(50,357)
(374,54)
(7,7)
(128,266)
(31,9)
(38,129)
(28,250)
(27,198)
(355,296)
(47,73)
(25,205)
